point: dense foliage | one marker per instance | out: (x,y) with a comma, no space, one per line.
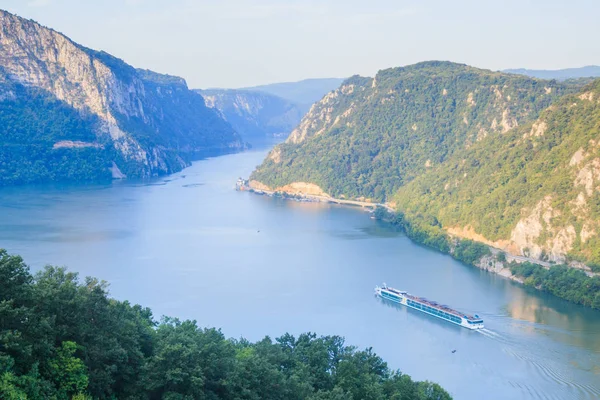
(488,186)
(429,232)
(569,283)
(31,122)
(63,339)
(374,135)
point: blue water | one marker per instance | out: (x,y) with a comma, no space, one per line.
(192,247)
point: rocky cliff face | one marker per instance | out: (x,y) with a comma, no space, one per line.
(153,122)
(533,191)
(255,115)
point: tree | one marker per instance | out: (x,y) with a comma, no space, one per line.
(68,371)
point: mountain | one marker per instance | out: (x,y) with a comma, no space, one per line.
(534,190)
(71,113)
(255,115)
(559,74)
(475,153)
(305,92)
(373,135)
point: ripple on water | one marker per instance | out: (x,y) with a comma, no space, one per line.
(549,370)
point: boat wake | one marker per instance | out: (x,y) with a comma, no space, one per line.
(494,335)
(487,332)
(546,368)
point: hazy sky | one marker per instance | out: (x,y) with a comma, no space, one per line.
(234,43)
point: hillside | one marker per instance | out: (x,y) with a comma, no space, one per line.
(255,115)
(72,113)
(304,93)
(559,74)
(502,159)
(373,135)
(534,190)
(66,339)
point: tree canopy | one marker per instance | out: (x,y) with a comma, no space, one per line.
(61,338)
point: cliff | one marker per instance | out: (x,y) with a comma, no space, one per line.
(141,123)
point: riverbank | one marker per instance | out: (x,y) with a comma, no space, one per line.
(568,283)
(318,195)
(574,284)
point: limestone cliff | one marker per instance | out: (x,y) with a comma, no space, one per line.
(150,124)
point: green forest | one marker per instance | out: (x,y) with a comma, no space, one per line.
(489,186)
(64,338)
(568,283)
(396,126)
(430,234)
(31,121)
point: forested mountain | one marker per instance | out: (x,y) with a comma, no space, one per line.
(590,71)
(65,339)
(304,93)
(534,190)
(71,113)
(373,135)
(485,155)
(255,115)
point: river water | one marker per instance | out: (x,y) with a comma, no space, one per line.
(190,246)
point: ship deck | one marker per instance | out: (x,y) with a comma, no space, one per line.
(431,303)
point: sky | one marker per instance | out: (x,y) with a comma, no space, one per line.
(237,43)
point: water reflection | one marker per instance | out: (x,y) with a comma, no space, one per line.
(556,319)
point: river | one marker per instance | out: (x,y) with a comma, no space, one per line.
(190,246)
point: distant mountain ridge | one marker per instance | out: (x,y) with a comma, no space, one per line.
(255,115)
(304,92)
(123,121)
(590,71)
(272,110)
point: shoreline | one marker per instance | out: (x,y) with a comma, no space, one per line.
(468,251)
(310,198)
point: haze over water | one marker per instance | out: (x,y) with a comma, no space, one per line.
(190,246)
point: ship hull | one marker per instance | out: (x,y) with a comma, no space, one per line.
(426,309)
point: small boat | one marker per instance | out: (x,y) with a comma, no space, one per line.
(429,307)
